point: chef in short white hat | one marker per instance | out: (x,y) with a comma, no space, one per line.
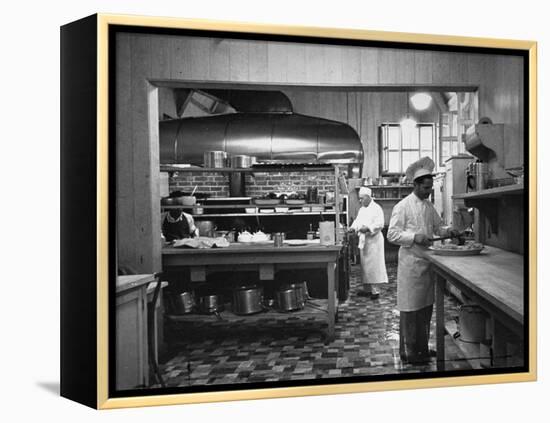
(368,224)
(413,223)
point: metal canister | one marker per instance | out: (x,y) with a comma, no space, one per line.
(278,239)
(214,159)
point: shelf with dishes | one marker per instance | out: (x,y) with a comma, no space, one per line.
(313,206)
(264,214)
(487,201)
(288,200)
(250,210)
(258,167)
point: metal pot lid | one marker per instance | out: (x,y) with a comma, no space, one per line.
(247,287)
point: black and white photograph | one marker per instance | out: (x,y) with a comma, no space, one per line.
(297,211)
(242,211)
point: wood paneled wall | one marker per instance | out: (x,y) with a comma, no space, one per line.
(145,58)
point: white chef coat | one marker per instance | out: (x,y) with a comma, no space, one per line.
(415,289)
(371,244)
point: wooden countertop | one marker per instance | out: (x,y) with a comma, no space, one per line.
(495,275)
(127,282)
(260,248)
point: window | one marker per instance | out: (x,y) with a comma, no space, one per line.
(448,141)
(400,148)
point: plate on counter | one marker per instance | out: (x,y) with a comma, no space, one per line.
(267,211)
(471,249)
(296,242)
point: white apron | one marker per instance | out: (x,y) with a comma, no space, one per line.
(415,289)
(371,245)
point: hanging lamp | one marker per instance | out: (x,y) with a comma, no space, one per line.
(421,101)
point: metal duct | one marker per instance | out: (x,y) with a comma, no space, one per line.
(252,101)
(486,141)
(277,137)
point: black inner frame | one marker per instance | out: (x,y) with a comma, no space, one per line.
(113,30)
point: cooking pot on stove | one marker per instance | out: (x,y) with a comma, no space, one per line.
(247,300)
(290,297)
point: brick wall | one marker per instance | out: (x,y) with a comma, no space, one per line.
(257,185)
(216,184)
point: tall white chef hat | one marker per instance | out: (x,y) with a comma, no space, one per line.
(422,167)
(365,191)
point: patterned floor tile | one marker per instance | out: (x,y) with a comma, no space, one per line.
(269,350)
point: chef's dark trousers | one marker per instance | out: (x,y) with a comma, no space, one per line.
(414,333)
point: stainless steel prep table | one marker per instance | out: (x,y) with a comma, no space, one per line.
(494,280)
(265,258)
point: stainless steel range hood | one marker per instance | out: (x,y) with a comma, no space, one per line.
(276,137)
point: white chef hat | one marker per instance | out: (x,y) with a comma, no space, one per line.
(365,191)
(422,167)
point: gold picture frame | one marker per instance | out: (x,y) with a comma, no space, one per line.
(87,48)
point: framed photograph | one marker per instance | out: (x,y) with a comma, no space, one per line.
(252,211)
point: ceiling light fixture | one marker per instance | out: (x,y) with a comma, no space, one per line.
(421,101)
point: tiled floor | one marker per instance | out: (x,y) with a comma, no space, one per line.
(366,343)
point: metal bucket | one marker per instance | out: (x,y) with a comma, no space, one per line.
(472,323)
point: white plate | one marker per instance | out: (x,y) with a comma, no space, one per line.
(295,242)
(457,253)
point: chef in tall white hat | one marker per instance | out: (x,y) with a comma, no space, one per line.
(368,224)
(413,223)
